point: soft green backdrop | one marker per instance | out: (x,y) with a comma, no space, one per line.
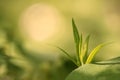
(29,28)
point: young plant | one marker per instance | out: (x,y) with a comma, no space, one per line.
(87,71)
(82,48)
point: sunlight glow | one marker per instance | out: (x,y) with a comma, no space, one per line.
(40,21)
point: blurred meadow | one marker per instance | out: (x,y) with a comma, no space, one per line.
(30,28)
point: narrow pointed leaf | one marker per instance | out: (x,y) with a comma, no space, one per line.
(109,62)
(85,48)
(67,54)
(75,33)
(86,45)
(80,50)
(94,51)
(76,39)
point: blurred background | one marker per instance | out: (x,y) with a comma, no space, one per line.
(29,28)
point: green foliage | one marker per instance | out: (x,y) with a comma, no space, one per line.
(85,48)
(104,70)
(109,62)
(95,72)
(68,55)
(82,48)
(13,71)
(94,51)
(77,40)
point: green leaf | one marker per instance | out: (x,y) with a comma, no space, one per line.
(80,50)
(67,55)
(109,62)
(75,33)
(94,51)
(95,72)
(85,49)
(76,39)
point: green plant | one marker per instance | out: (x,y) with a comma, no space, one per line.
(87,70)
(82,48)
